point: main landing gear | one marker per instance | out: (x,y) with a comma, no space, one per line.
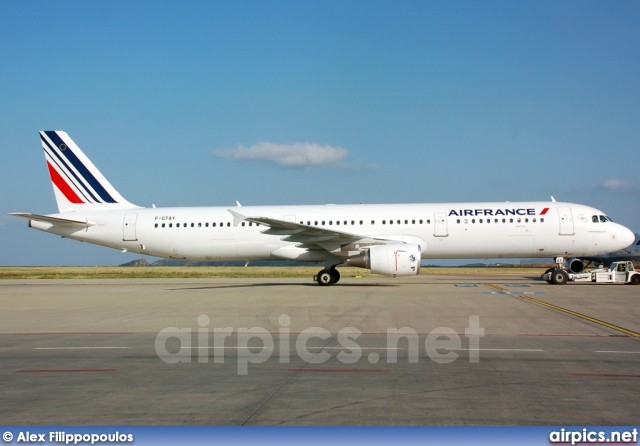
(327,277)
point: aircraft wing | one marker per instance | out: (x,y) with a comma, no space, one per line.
(312,237)
(54,220)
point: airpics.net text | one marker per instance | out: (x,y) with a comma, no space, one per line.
(256,345)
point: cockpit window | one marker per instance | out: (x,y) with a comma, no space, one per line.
(604,219)
(594,219)
(638,244)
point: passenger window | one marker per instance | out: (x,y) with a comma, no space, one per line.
(171,225)
(156,225)
(373,222)
(413,222)
(206,225)
(242,223)
(213,225)
(163,225)
(473,220)
(420,221)
(384,222)
(542,220)
(390,222)
(228,224)
(458,221)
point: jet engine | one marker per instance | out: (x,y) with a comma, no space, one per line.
(389,260)
(575,265)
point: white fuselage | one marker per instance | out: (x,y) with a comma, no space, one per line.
(442,230)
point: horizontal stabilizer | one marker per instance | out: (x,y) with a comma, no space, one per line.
(54,220)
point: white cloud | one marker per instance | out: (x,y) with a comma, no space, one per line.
(616,184)
(290,155)
(623,187)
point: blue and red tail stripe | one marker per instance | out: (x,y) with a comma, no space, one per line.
(63,186)
(84,181)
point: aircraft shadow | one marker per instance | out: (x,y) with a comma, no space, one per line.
(260,285)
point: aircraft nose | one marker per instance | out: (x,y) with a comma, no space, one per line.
(626,236)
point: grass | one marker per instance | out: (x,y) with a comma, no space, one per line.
(204,272)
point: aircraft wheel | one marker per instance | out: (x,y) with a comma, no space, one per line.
(335,274)
(324,278)
(559,277)
(635,280)
(548,271)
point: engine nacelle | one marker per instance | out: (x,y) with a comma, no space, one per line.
(389,260)
(576,266)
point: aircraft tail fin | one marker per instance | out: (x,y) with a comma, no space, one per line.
(77,182)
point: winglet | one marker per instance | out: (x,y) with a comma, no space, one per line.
(237,217)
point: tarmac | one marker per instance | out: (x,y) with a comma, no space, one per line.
(425,350)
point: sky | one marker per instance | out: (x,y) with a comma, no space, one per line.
(202,103)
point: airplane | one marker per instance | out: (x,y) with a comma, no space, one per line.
(631,252)
(388,239)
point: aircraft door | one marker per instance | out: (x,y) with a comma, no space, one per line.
(566,221)
(440,225)
(129,228)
